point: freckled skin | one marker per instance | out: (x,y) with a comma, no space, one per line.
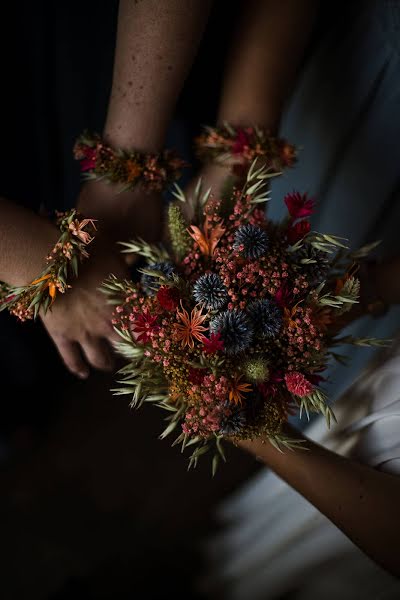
(156,45)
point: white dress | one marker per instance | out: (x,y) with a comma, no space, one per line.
(276,543)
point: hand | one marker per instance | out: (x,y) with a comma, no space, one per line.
(79,322)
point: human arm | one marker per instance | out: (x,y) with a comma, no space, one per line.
(79,322)
(360,500)
(25,239)
(265,55)
(156,45)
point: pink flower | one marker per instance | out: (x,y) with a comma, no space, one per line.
(298,231)
(297,384)
(77,228)
(299,205)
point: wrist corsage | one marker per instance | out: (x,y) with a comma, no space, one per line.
(126,167)
(240,146)
(26,301)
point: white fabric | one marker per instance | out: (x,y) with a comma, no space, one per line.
(276,542)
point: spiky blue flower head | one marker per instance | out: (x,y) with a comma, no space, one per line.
(234,328)
(265,316)
(210,290)
(234,424)
(151,283)
(252,241)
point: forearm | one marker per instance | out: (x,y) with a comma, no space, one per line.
(361,501)
(25,241)
(156,45)
(266,54)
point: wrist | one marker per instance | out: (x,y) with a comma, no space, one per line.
(122,215)
(119,137)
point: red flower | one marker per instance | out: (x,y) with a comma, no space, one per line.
(196,376)
(144,325)
(89,162)
(241,142)
(283,296)
(297,384)
(214,344)
(298,231)
(168,297)
(299,205)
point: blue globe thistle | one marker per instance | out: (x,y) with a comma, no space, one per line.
(151,283)
(235,330)
(210,291)
(234,424)
(252,240)
(265,316)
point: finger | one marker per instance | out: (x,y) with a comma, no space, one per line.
(98,353)
(72,357)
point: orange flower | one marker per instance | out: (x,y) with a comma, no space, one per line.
(208,238)
(289,316)
(238,389)
(191,327)
(52,291)
(133,170)
(77,227)
(35,281)
(50,283)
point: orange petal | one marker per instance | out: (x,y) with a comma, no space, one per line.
(40,279)
(200,238)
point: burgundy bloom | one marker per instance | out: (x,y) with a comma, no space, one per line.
(270,387)
(196,376)
(241,142)
(89,162)
(214,344)
(168,297)
(298,231)
(297,384)
(299,205)
(283,296)
(144,325)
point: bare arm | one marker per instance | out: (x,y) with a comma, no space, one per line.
(25,241)
(266,52)
(156,45)
(360,500)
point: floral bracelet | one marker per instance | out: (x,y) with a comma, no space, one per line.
(127,167)
(240,146)
(26,301)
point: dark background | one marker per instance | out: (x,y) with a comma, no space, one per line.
(92,504)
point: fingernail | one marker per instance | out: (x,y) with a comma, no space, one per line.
(83,374)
